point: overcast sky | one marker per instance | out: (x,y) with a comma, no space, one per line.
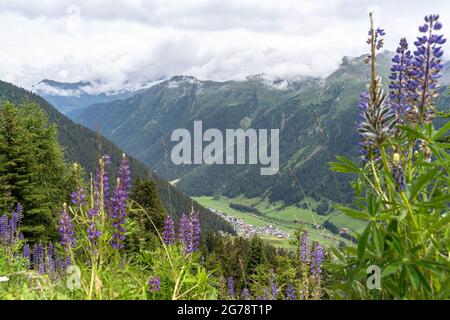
(142,40)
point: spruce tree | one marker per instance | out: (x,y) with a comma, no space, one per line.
(32,169)
(256,256)
(145,194)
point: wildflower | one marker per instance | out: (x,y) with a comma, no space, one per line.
(245,294)
(4,229)
(399,178)
(4,279)
(66,230)
(273,284)
(118,216)
(17,215)
(317,260)
(27,254)
(291,294)
(93,232)
(185,233)
(38,258)
(400,81)
(169,231)
(377,120)
(154,284)
(195,227)
(230,288)
(125,175)
(305,250)
(427,65)
(78,197)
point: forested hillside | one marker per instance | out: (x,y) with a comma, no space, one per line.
(84,146)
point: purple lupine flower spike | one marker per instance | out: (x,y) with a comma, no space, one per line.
(27,254)
(317,260)
(50,249)
(78,197)
(427,66)
(184,229)
(195,225)
(245,294)
(66,230)
(400,93)
(273,285)
(154,284)
(169,231)
(93,214)
(125,175)
(291,293)
(230,287)
(4,229)
(118,216)
(305,249)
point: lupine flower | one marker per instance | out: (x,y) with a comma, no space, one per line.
(50,249)
(291,293)
(93,232)
(399,178)
(66,230)
(103,181)
(118,216)
(230,288)
(400,81)
(185,232)
(273,284)
(426,68)
(4,229)
(195,225)
(125,175)
(27,254)
(245,294)
(169,231)
(305,249)
(17,215)
(38,257)
(317,259)
(78,197)
(377,120)
(154,284)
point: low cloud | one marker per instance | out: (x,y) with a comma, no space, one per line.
(133,42)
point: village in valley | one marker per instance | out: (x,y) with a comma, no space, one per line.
(248,230)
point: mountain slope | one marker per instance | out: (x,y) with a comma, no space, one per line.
(85,146)
(317,120)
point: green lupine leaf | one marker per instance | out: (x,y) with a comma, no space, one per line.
(422,279)
(422,182)
(414,133)
(344,166)
(443,130)
(362,242)
(354,213)
(413,277)
(391,268)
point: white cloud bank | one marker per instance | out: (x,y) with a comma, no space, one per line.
(136,41)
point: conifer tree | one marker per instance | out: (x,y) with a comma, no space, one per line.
(146,195)
(32,168)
